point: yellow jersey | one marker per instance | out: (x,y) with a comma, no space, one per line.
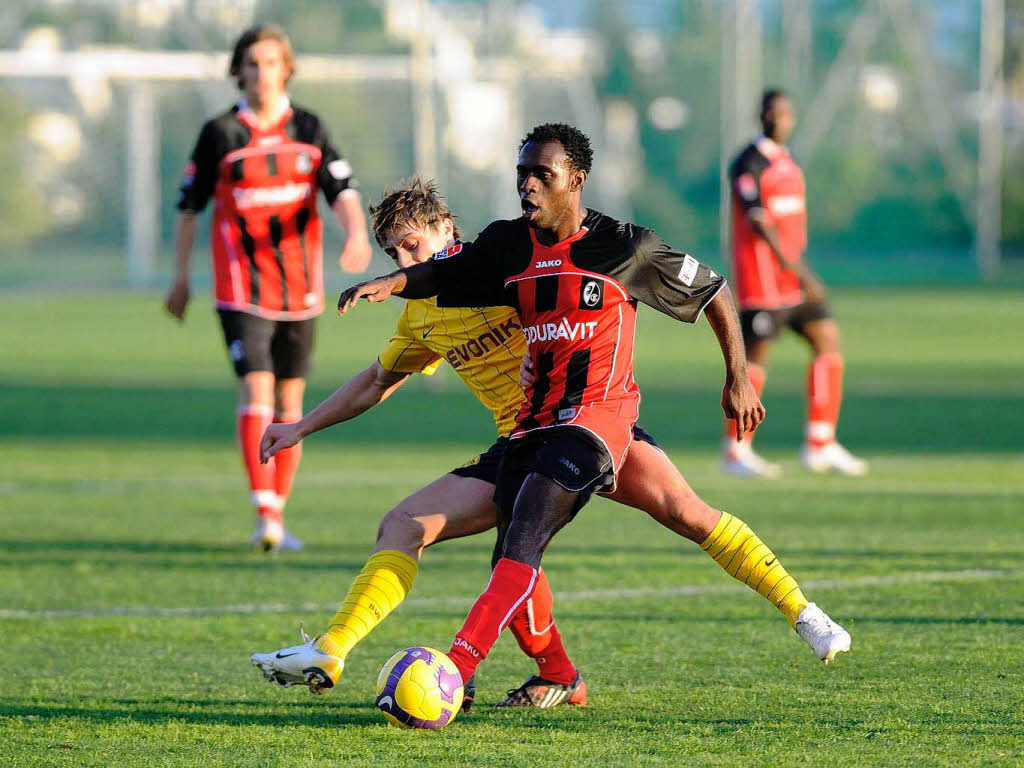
(485,346)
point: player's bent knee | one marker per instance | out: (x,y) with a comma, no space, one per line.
(825,338)
(401,530)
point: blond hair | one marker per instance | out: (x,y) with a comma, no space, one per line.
(412,203)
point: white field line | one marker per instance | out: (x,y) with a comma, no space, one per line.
(463,601)
(411,479)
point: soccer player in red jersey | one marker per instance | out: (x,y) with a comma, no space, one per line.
(575,277)
(776,289)
(263,162)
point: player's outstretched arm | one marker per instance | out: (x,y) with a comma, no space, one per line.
(184,239)
(416,282)
(739,400)
(363,391)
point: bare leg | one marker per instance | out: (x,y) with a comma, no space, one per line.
(256,389)
(822,335)
(449,508)
(650,482)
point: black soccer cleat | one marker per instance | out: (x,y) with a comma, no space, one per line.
(544,694)
(468,694)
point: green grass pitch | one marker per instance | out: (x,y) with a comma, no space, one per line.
(129,604)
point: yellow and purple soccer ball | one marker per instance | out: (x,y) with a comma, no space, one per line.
(419,688)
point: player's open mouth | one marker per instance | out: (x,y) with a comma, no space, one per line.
(529,208)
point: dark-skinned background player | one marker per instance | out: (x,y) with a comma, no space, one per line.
(776,289)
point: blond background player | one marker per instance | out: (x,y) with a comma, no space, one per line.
(262,162)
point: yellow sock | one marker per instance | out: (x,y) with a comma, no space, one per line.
(383,583)
(748,559)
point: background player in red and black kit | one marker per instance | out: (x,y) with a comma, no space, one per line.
(263,162)
(776,289)
(575,276)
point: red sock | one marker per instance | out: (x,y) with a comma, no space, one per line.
(756,373)
(510,587)
(286,462)
(824,396)
(252,421)
(536,633)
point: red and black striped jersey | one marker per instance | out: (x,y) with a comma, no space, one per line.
(577,303)
(266,234)
(765,177)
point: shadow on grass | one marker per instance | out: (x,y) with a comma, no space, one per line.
(242,714)
(156,554)
(673,547)
(675,617)
(888,421)
(1003,620)
(204,713)
(250,562)
(119,545)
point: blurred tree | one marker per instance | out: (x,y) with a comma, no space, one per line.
(23,210)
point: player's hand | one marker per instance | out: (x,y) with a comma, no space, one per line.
(355,256)
(814,289)
(277,437)
(378,289)
(177,299)
(527,375)
(740,402)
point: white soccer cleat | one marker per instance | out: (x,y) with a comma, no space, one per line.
(303,664)
(291,543)
(832,458)
(739,459)
(269,534)
(825,637)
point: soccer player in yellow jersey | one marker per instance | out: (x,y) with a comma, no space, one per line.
(486,348)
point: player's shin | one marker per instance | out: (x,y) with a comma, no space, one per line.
(286,462)
(742,554)
(252,421)
(538,636)
(511,585)
(824,396)
(380,587)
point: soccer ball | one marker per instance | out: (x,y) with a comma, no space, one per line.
(419,688)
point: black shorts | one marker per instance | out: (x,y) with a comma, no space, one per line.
(485,466)
(762,324)
(568,455)
(258,344)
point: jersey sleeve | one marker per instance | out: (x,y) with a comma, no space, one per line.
(745,178)
(404,354)
(200,176)
(335,174)
(668,280)
(472,274)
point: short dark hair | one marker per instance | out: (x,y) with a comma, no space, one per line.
(253,35)
(572,139)
(769,97)
(413,202)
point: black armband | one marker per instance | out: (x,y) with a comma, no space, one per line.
(420,281)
